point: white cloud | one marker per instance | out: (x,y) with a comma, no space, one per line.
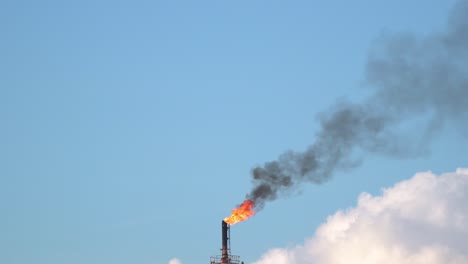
(175,261)
(423,220)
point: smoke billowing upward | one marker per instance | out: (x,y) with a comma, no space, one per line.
(411,77)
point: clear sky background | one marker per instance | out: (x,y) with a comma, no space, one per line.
(129,128)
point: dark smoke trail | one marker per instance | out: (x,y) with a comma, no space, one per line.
(412,77)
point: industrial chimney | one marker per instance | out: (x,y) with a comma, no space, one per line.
(225,230)
(225,257)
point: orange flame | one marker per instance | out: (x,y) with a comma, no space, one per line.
(241,213)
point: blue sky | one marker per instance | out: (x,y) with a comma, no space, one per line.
(129,128)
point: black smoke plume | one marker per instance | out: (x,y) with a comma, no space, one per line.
(410,77)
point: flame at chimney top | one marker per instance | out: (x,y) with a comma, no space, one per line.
(241,213)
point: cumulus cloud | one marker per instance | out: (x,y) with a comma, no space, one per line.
(175,261)
(422,220)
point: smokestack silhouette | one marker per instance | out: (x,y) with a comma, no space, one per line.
(421,78)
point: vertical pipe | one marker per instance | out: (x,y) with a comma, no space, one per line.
(225,237)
